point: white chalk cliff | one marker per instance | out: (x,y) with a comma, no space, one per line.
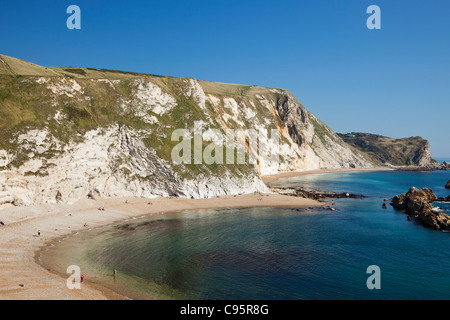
(81,131)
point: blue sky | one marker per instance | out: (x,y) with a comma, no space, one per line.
(394,81)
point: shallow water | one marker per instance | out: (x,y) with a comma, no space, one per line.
(275,253)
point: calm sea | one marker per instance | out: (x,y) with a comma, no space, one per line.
(275,253)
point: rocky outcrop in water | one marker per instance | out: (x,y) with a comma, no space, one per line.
(446,164)
(417,203)
(310,194)
(447,186)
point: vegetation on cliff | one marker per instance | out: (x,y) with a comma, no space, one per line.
(412,151)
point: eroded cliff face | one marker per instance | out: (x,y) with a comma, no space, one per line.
(305,142)
(111,162)
(109,133)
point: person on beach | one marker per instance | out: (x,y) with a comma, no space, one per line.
(115,273)
(39,233)
(1,223)
(82,278)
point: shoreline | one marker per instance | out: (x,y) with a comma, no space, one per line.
(21,246)
(270,178)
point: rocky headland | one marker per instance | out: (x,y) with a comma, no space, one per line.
(386,151)
(428,167)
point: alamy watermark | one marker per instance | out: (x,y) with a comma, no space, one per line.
(74,20)
(374,280)
(240,146)
(74,280)
(374,21)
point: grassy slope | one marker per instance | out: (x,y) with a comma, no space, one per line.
(26,105)
(23,68)
(388,150)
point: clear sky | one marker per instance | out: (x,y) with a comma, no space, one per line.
(394,81)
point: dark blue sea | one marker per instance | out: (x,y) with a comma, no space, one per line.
(278,253)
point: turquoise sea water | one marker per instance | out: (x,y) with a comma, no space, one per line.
(277,253)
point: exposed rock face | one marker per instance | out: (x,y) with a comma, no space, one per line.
(111,163)
(416,203)
(413,151)
(70,132)
(447,186)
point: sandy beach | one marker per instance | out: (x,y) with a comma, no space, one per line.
(23,278)
(292,174)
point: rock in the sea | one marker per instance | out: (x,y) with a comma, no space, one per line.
(448,184)
(417,203)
